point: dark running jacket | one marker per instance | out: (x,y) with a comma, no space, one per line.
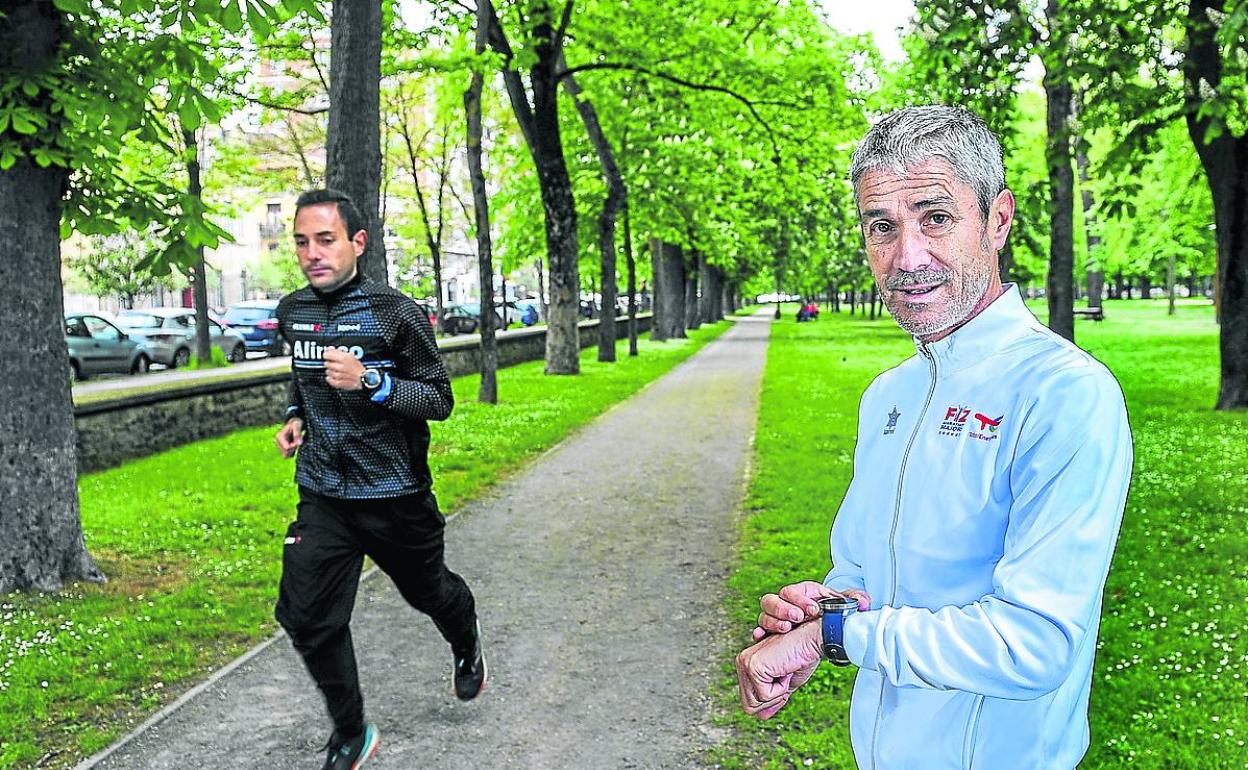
(359,444)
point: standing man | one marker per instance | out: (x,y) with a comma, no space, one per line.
(990,475)
(366,377)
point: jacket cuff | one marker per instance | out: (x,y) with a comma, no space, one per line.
(293,411)
(859,631)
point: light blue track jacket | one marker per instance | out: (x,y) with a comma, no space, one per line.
(990,475)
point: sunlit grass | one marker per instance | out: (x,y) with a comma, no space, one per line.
(191,542)
(1171,682)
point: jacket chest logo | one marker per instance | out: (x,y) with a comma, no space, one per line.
(891,428)
(955,421)
(983,428)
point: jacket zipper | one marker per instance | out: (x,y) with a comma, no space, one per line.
(892,535)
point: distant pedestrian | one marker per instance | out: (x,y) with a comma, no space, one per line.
(366,377)
(990,475)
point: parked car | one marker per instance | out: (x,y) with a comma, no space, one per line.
(168,334)
(97,346)
(463,318)
(256,320)
(530,310)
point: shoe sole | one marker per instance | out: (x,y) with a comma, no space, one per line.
(374,739)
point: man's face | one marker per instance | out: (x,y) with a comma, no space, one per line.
(327,255)
(933,256)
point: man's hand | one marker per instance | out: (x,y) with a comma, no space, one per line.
(290,437)
(342,370)
(771,670)
(798,603)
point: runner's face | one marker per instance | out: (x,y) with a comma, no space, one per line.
(326,255)
(933,256)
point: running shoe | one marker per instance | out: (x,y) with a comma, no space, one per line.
(470,672)
(351,754)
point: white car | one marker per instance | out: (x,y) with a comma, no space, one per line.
(168,335)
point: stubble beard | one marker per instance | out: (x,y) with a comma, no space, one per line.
(971,287)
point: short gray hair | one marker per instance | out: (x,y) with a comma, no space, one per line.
(912,135)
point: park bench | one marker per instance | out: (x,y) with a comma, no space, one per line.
(1095,313)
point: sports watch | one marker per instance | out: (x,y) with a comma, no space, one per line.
(835,610)
(371,379)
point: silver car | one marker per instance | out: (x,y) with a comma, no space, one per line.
(96,346)
(168,334)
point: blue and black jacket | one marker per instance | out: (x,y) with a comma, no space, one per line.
(360,443)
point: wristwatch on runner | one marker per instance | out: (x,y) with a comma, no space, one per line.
(835,610)
(371,379)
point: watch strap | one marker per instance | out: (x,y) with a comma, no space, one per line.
(834,638)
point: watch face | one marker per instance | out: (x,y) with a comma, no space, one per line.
(371,378)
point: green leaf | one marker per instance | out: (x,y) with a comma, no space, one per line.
(22,123)
(232,16)
(188,115)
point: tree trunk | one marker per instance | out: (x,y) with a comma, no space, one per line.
(199,283)
(873,298)
(1146,287)
(488,392)
(1061,179)
(1225,160)
(670,291)
(1094,275)
(658,324)
(1006,263)
(615,200)
(41,540)
(632,282)
(541,289)
(353,139)
(693,319)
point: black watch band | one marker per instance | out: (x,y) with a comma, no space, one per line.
(835,610)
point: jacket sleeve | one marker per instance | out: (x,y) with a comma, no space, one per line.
(1069,480)
(846,569)
(419,387)
(294,399)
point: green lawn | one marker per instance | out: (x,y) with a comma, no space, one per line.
(1171,684)
(191,541)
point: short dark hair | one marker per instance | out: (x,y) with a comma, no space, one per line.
(346,207)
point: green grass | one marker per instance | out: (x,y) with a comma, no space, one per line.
(191,541)
(1171,684)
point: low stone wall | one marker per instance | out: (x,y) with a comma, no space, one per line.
(112,431)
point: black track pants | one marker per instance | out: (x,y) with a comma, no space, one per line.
(324,551)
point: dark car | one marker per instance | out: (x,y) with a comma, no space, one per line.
(464,318)
(256,320)
(97,346)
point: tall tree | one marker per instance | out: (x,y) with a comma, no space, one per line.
(353,140)
(41,540)
(488,392)
(616,199)
(77,96)
(538,119)
(1214,65)
(199,272)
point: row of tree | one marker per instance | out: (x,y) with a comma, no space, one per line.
(714,136)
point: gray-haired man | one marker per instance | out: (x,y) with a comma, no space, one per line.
(990,475)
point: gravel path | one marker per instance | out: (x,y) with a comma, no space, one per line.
(597,573)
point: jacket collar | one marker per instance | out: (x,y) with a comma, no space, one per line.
(1005,322)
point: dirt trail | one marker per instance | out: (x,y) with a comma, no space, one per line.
(597,573)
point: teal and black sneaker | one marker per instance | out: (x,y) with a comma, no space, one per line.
(352,753)
(470,673)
